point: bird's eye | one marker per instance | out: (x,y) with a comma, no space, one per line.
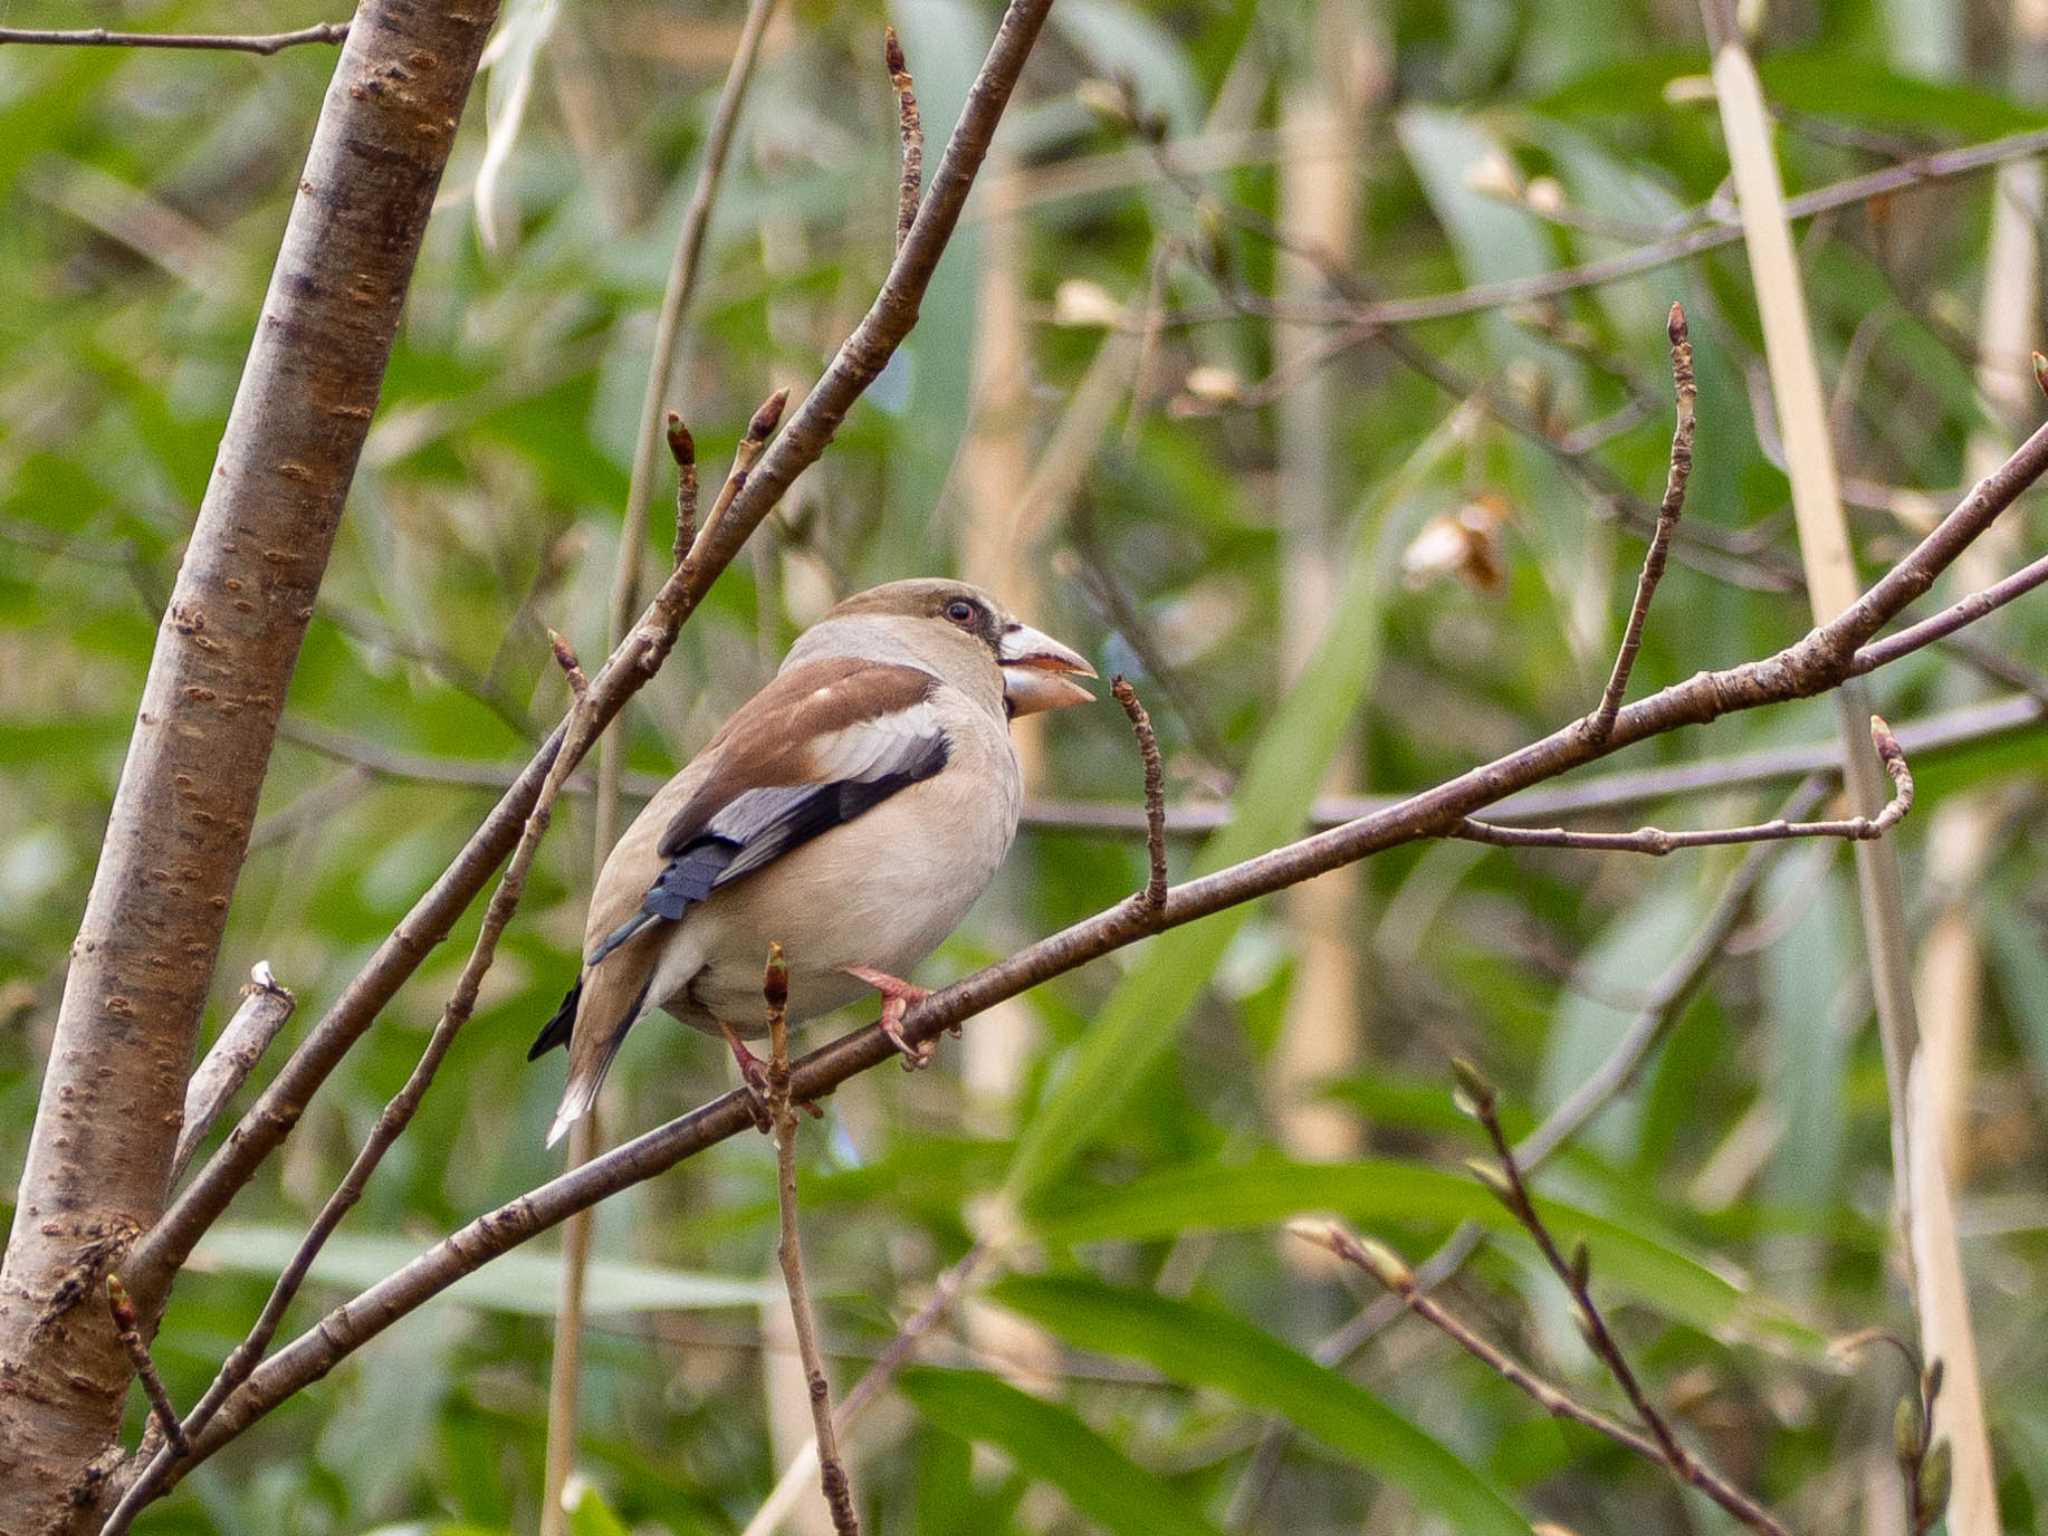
(960,610)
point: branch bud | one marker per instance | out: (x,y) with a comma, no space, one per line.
(1906,1442)
(1937,1472)
(768,416)
(682,447)
(775,980)
(1475,1096)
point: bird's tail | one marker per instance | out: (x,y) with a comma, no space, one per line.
(592,1047)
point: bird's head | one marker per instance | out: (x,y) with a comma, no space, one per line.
(941,621)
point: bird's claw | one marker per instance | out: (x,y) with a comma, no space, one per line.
(916,1056)
(753,1081)
(897,997)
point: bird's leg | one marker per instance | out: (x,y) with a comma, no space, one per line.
(753,1077)
(897,996)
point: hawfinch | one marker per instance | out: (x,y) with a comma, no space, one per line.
(851,811)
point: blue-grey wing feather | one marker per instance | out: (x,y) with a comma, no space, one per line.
(760,825)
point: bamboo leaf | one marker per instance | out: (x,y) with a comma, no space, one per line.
(1143,1017)
(1269,1191)
(1052,1444)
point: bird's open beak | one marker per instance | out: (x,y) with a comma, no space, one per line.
(1038,672)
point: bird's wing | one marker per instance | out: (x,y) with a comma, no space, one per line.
(823,743)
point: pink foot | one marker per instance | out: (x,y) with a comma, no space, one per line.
(754,1074)
(897,996)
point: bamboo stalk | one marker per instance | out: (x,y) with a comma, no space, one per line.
(1922,1195)
(1325,1031)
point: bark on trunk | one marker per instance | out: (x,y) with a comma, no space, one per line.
(101,1151)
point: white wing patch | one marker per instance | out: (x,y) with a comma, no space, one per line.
(875,748)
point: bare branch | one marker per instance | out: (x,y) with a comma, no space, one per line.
(1387,1267)
(789,1250)
(1942,165)
(1653,1021)
(1602,720)
(945,1292)
(1924,738)
(1657,842)
(129,1329)
(265,43)
(1154,894)
(266,1008)
(1956,616)
(910,127)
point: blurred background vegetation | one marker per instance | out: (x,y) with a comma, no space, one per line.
(1138,486)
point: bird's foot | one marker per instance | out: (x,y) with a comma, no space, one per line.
(753,1078)
(897,996)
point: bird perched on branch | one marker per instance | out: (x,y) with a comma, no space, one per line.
(851,811)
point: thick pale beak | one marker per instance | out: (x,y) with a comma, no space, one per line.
(1038,672)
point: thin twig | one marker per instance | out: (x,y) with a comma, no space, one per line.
(265,43)
(1154,894)
(911,129)
(1926,737)
(129,1328)
(1668,512)
(1657,842)
(682,448)
(396,1116)
(1385,1266)
(1659,1012)
(1956,616)
(265,1009)
(789,1250)
(1504,1179)
(898,1352)
(1943,165)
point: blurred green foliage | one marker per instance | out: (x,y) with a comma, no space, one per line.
(1736,1199)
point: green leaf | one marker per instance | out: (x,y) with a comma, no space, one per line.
(1806,974)
(1823,82)
(1052,1444)
(1269,1191)
(1203,1346)
(589,1514)
(524,1281)
(1143,1017)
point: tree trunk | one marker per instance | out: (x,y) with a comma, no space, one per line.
(99,1158)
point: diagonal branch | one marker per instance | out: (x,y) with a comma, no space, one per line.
(1813,665)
